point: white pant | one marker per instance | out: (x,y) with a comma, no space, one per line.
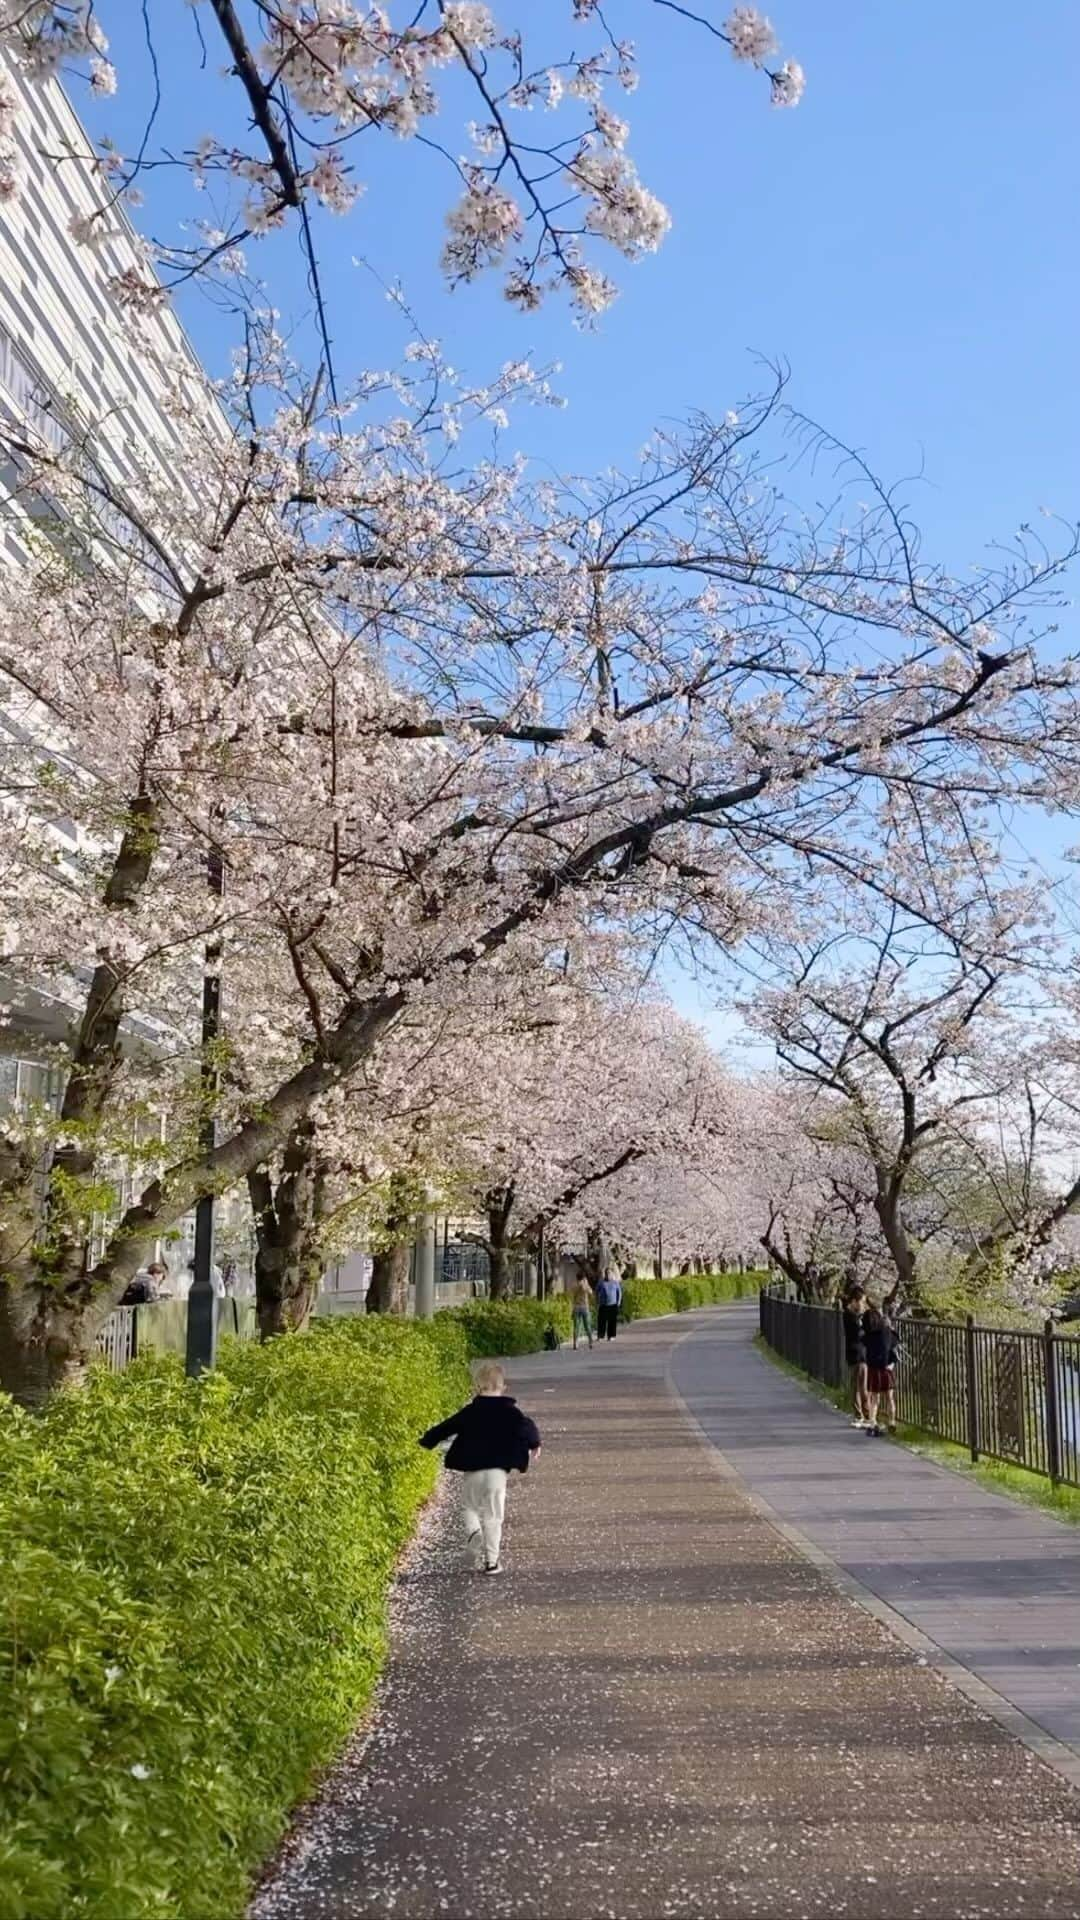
(484,1505)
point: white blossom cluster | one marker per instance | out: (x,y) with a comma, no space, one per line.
(458,737)
(535,202)
(46,35)
(751,36)
(9,152)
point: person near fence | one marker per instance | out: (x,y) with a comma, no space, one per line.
(159,1279)
(490,1439)
(879,1337)
(139,1291)
(581,1307)
(854,1317)
(608,1302)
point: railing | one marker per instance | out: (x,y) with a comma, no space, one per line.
(162,1325)
(1005,1395)
(118,1340)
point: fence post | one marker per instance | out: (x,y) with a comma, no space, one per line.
(972,1386)
(1053,1404)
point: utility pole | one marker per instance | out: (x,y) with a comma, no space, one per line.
(424,1267)
(202,1300)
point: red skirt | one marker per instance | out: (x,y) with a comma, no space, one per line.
(880,1379)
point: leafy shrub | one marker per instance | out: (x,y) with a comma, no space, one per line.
(193,1579)
(192,1593)
(645,1299)
(506,1327)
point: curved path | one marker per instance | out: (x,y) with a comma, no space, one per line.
(994,1585)
(666,1707)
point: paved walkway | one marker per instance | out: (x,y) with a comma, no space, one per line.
(994,1584)
(665,1708)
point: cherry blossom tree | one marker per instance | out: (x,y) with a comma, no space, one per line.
(546,176)
(695,1192)
(431,719)
(599,1087)
(930,1072)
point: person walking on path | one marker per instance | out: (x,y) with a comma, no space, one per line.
(490,1439)
(608,1302)
(879,1337)
(581,1307)
(854,1314)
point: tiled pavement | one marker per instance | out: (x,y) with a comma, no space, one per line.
(664,1708)
(995,1584)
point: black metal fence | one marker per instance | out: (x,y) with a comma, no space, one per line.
(1004,1394)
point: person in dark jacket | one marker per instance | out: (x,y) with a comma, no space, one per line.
(139,1292)
(490,1439)
(608,1302)
(854,1314)
(880,1338)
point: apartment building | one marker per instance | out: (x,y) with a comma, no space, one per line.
(72,372)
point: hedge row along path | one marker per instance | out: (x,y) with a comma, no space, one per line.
(666,1707)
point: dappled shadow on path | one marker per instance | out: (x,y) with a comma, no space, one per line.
(662,1709)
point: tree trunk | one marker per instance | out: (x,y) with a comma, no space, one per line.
(51,1310)
(498,1271)
(814,1285)
(889,1210)
(46,1342)
(389,1288)
(499,1203)
(288,1225)
(596,1255)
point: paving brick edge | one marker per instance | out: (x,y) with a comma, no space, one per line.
(1063,1759)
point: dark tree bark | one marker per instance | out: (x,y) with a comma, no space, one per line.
(499,1205)
(389,1288)
(289,1220)
(597,1259)
(814,1285)
(50,1314)
(388,1291)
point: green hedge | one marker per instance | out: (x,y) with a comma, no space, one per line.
(645,1299)
(193,1580)
(509,1326)
(192,1594)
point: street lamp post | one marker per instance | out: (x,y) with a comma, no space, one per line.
(201,1351)
(424,1295)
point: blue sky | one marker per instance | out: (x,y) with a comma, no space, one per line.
(905,240)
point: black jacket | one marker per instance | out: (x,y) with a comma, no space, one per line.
(881,1346)
(491,1431)
(854,1337)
